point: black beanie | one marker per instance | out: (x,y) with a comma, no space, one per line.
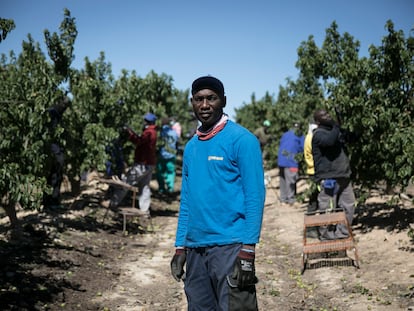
(208,82)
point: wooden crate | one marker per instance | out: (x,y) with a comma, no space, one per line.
(319,218)
(127,212)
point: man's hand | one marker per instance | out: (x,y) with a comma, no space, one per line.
(123,132)
(244,272)
(177,264)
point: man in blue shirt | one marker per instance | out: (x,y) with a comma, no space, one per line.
(221,210)
(291,144)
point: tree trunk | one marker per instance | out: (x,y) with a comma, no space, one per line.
(75,184)
(10,208)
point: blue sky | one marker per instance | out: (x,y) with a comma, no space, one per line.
(250,45)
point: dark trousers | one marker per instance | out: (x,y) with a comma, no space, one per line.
(287,184)
(344,198)
(313,195)
(206,284)
(55,177)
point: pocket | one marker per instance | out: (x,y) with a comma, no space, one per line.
(231,281)
(330,187)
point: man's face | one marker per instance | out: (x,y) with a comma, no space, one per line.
(208,107)
(323,117)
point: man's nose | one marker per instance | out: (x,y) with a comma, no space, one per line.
(204,103)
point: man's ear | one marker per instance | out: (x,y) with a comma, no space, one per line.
(224,102)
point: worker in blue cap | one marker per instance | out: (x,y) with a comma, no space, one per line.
(140,173)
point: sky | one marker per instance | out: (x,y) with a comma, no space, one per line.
(251,46)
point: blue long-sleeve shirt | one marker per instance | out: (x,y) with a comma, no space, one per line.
(169,137)
(290,145)
(223,192)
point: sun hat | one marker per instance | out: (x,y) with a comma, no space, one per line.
(150,117)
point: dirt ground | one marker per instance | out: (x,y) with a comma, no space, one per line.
(77,258)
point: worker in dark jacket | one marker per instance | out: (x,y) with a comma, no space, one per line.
(56,157)
(332,173)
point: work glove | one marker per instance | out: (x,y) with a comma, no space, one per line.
(123,133)
(126,129)
(177,264)
(244,272)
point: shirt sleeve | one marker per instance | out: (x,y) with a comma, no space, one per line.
(183,212)
(251,169)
